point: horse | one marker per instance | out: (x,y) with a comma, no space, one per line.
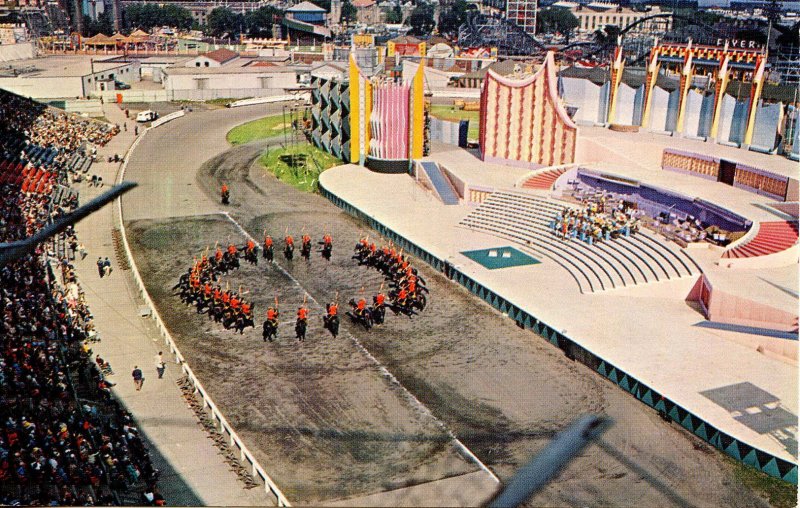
(242,321)
(378,312)
(305,251)
(226,197)
(331,323)
(270,330)
(300,329)
(326,251)
(251,256)
(268,253)
(363,318)
(288,252)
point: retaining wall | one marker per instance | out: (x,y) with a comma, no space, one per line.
(740,451)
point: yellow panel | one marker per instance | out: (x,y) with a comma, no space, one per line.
(355,112)
(418,112)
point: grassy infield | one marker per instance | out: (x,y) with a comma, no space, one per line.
(286,164)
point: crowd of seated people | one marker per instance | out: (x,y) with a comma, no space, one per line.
(57,449)
(595,222)
(46,128)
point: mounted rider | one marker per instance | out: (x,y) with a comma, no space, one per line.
(305,249)
(268,246)
(271,323)
(302,322)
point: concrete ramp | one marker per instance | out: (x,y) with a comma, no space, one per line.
(471,489)
(443,187)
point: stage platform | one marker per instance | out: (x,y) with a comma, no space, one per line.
(649,331)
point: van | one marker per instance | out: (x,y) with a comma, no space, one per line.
(146,116)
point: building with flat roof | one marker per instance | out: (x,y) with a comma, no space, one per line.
(57,77)
(239,79)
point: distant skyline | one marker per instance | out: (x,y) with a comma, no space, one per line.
(787,5)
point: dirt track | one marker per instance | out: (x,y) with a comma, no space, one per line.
(308,410)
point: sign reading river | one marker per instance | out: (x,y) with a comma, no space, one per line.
(739,43)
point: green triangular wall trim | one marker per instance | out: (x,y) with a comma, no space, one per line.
(733,450)
(688,423)
(701,431)
(623,383)
(751,460)
(771,468)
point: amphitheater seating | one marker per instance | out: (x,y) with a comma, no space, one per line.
(772,237)
(628,261)
(543,180)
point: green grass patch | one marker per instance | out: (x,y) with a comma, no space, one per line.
(262,128)
(299,166)
(780,494)
(453,114)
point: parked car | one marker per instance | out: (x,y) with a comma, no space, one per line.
(119,85)
(146,116)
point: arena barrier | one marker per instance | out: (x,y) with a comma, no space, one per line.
(275,98)
(669,410)
(164,119)
(245,455)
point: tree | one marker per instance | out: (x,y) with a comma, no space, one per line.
(259,22)
(607,35)
(421,20)
(147,16)
(104,24)
(556,20)
(349,12)
(223,21)
(394,15)
(456,15)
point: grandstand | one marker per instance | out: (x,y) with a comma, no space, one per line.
(65,440)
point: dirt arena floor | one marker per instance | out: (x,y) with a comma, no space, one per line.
(325,423)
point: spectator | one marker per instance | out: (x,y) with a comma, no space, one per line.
(138,378)
(160,365)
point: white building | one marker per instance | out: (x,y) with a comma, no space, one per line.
(259,79)
(216,58)
(59,77)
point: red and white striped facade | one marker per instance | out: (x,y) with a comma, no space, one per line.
(523,121)
(389,121)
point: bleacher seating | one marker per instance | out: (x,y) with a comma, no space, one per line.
(627,261)
(772,237)
(543,180)
(64,439)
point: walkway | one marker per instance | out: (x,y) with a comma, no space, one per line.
(193,471)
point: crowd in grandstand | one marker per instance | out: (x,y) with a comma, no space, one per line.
(47,128)
(594,222)
(55,449)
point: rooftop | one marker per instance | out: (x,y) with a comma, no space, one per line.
(305,7)
(221,55)
(58,66)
